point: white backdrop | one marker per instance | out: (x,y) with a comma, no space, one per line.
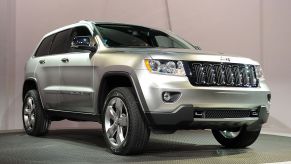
(259,29)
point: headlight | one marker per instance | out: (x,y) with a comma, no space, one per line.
(259,72)
(165,67)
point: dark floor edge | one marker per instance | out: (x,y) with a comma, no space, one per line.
(21,130)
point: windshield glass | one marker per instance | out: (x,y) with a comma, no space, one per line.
(118,35)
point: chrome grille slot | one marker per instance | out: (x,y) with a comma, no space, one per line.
(220,78)
(237,76)
(199,73)
(210,75)
(222,74)
(229,75)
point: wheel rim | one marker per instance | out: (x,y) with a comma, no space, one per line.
(229,134)
(116,121)
(29,113)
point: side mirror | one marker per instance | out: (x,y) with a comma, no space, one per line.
(83,43)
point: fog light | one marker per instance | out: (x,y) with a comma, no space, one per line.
(167,96)
(170,96)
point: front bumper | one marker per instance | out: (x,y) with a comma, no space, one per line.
(184,118)
(192,97)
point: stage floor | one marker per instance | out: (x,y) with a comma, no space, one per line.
(88,146)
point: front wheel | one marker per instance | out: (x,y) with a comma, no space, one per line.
(124,128)
(240,138)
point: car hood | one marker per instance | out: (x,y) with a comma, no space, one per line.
(185,54)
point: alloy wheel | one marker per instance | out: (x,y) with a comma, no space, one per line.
(29,113)
(229,134)
(116,121)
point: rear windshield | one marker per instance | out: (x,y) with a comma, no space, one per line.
(135,36)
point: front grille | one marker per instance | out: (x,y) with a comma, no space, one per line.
(227,113)
(222,74)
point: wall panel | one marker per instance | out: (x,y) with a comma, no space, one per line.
(277,58)
(7,62)
(230,26)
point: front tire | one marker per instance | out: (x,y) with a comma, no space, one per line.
(35,119)
(124,128)
(236,139)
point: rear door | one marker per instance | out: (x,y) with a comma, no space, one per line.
(47,74)
(77,75)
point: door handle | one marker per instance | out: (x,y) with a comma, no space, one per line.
(65,60)
(42,61)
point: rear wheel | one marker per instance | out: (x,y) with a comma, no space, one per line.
(124,128)
(35,119)
(240,138)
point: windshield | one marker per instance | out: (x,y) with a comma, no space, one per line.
(118,35)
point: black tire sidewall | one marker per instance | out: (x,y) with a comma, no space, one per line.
(245,138)
(111,95)
(133,117)
(41,119)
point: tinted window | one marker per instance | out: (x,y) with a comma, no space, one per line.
(167,42)
(81,31)
(136,36)
(124,37)
(45,46)
(62,42)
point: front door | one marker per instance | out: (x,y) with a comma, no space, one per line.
(77,75)
(76,90)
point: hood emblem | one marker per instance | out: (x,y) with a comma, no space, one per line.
(225,59)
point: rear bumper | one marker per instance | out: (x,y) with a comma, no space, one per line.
(184,118)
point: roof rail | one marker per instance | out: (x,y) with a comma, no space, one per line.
(84,21)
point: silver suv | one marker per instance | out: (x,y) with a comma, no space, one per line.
(134,80)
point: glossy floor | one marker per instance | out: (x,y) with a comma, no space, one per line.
(87,146)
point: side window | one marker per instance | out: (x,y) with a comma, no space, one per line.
(81,31)
(62,42)
(44,47)
(167,42)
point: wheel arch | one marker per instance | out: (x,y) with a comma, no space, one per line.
(29,84)
(114,79)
